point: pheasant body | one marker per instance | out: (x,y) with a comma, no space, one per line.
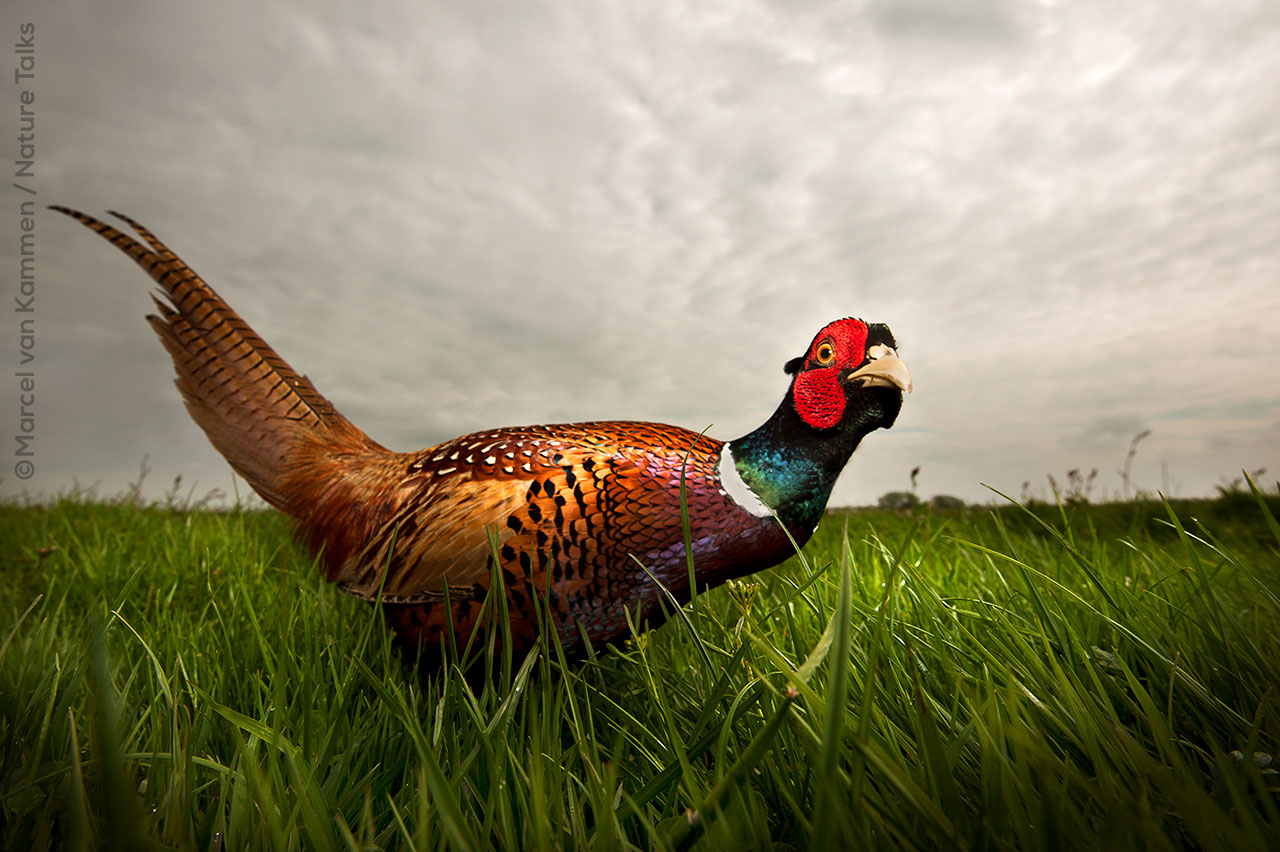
(576,520)
(584,509)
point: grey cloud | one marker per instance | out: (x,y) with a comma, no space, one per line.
(948,20)
(1111,426)
(455,216)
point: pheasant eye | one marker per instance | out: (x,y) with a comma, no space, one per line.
(825,353)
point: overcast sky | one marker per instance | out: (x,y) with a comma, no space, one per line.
(454,216)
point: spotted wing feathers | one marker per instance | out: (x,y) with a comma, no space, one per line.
(557,504)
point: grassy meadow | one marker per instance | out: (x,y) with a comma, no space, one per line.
(1080,677)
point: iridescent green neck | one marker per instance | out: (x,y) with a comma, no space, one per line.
(792,467)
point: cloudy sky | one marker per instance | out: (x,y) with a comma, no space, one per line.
(454,216)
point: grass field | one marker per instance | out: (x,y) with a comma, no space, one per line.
(1088,677)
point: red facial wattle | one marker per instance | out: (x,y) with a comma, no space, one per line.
(819,396)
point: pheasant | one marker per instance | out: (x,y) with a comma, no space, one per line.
(578,523)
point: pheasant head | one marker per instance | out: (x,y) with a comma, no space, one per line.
(849,378)
(848,383)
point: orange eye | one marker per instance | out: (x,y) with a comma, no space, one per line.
(825,353)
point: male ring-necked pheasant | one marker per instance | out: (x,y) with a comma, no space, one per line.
(572,507)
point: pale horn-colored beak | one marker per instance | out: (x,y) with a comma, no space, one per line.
(885,370)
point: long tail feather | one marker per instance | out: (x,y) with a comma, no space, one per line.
(270,422)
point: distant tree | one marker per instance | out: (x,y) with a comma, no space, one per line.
(900,500)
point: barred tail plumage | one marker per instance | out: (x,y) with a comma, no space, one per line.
(268,421)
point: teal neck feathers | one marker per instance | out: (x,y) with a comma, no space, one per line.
(791,467)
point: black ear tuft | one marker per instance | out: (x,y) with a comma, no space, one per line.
(793,366)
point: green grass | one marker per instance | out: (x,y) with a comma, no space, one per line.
(1071,678)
